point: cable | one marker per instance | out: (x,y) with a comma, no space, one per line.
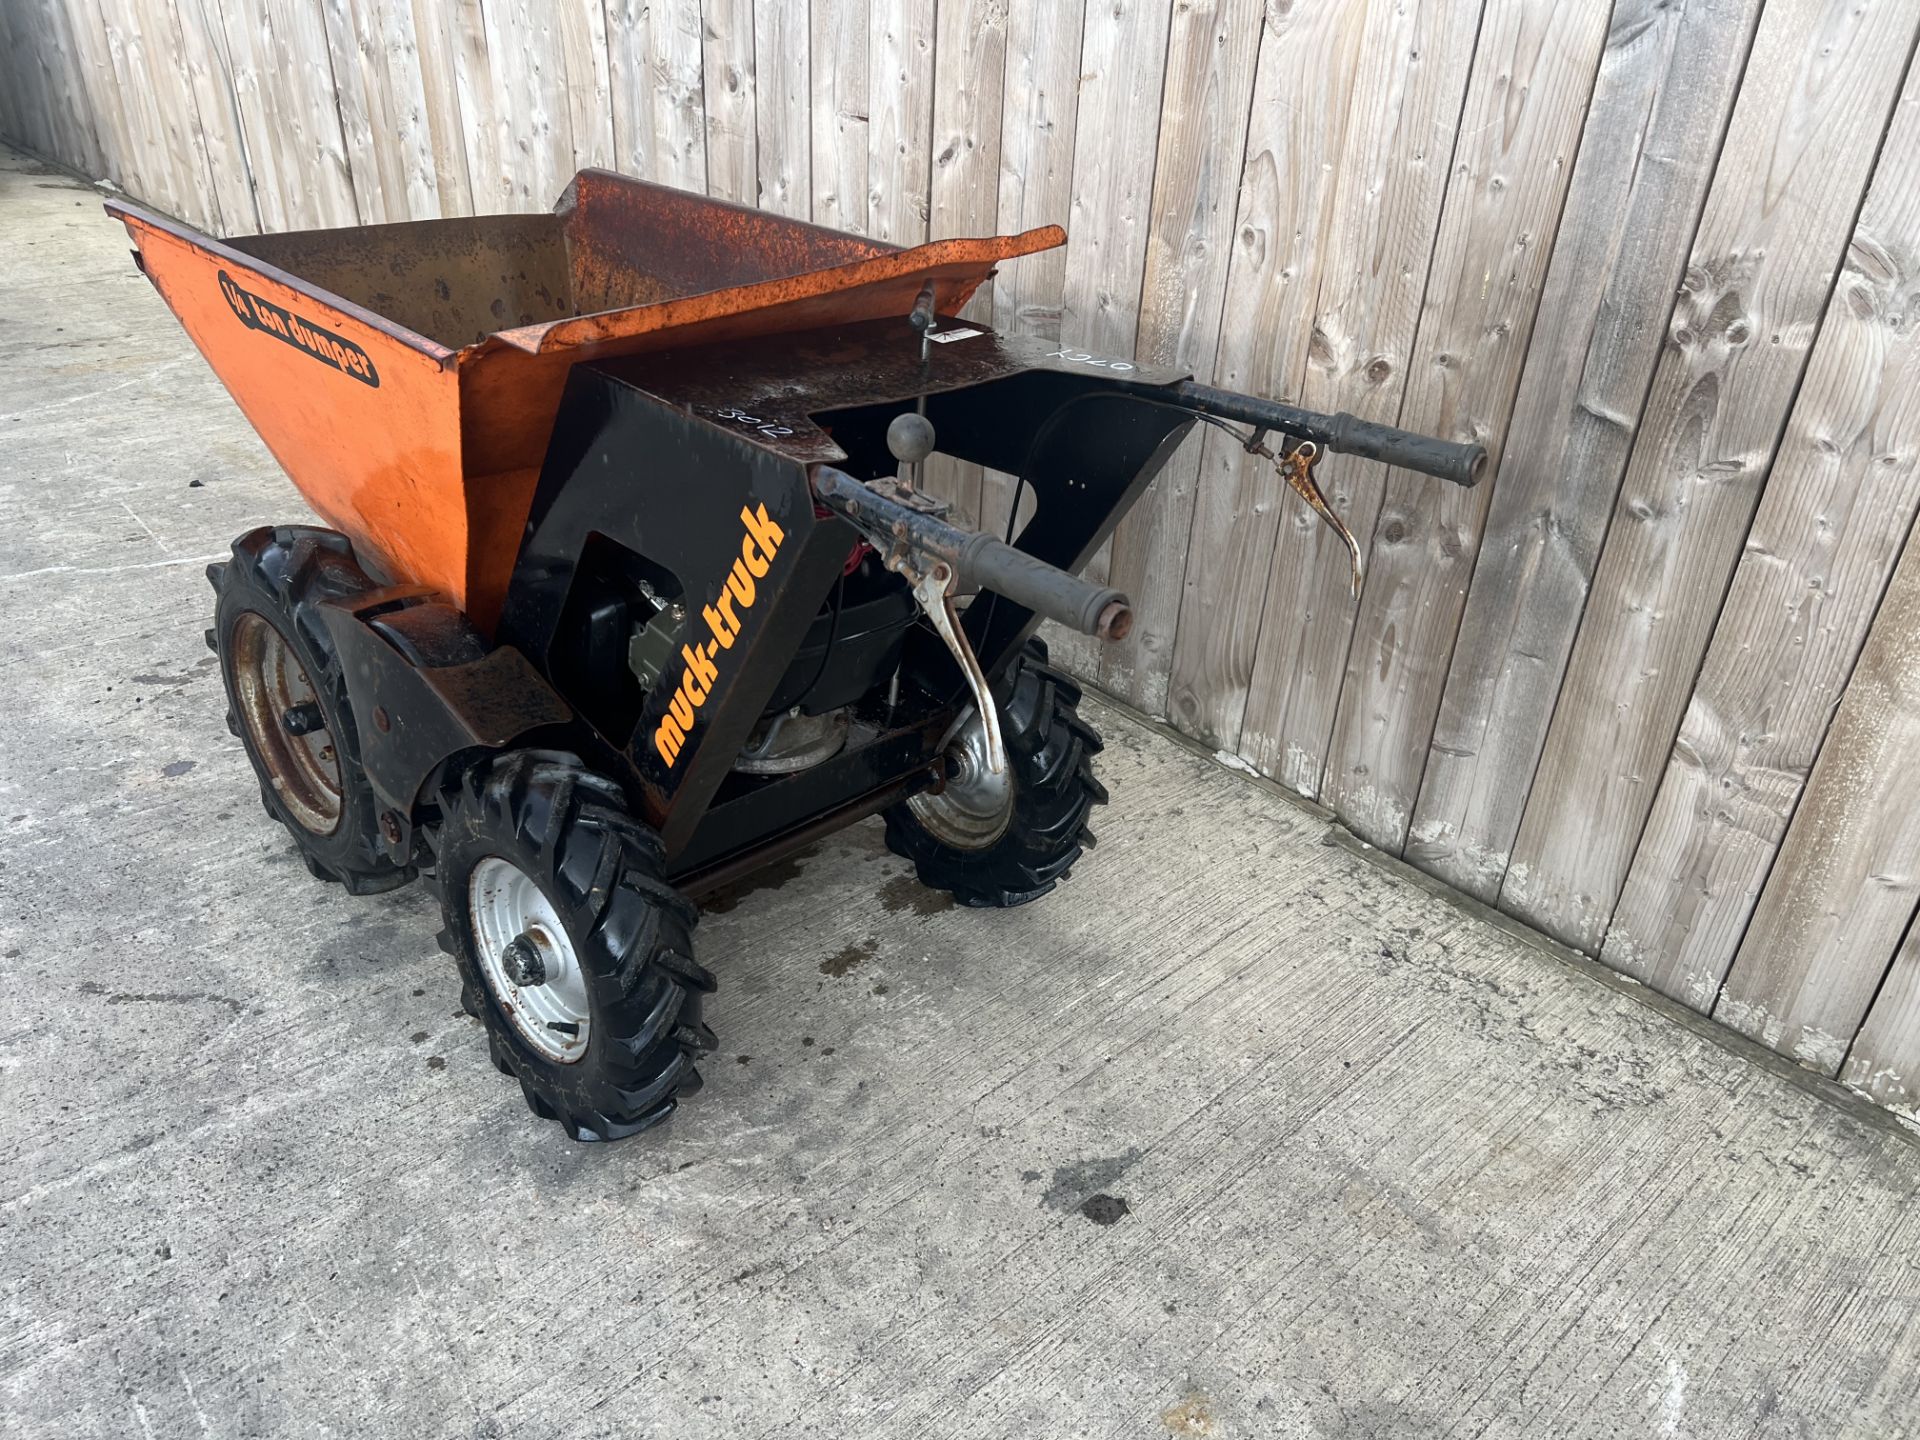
(1053,418)
(1245,441)
(833,635)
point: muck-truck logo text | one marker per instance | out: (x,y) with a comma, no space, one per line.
(724,618)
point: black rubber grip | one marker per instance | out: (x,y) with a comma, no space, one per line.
(1463,464)
(1044,589)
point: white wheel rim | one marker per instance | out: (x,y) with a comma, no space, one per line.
(974,808)
(551,1015)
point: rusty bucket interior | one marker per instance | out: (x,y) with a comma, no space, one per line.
(609,244)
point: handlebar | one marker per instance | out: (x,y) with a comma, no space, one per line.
(978,560)
(1462,464)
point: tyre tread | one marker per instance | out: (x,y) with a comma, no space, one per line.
(1051,748)
(602,869)
(283,573)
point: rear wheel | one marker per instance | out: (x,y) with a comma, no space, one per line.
(1002,841)
(287,698)
(573,949)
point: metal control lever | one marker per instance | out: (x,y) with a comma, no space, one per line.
(934,591)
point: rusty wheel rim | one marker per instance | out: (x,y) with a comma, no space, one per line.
(268,683)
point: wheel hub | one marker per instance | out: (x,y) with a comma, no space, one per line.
(522,962)
(529,961)
(975,807)
(282,714)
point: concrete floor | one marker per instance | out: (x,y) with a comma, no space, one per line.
(1370,1165)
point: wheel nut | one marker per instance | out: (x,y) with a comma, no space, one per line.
(521,960)
(304,718)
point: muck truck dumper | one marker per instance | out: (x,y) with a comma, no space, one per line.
(630,586)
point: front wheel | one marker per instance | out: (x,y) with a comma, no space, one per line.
(1002,841)
(573,949)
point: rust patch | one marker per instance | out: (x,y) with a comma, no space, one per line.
(1192,1415)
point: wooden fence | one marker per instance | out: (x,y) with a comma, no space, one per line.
(1655,690)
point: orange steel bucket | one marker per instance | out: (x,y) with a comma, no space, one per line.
(406,376)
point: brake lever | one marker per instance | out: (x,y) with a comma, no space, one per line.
(1296,468)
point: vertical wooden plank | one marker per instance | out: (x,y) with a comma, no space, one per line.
(165,66)
(29,57)
(434,25)
(283,91)
(1847,881)
(369,164)
(659,115)
(970,60)
(208,74)
(167,160)
(1534,71)
(837,76)
(970,56)
(1660,107)
(86,37)
(1287,197)
(247,43)
(376,70)
(1831,524)
(1212,50)
(727,55)
(900,120)
(73,118)
(1123,62)
(19,64)
(1040,105)
(465,34)
(1884,1062)
(1820,85)
(582,29)
(1392,177)
(148,164)
(533,145)
(783,107)
(306,116)
(1039,108)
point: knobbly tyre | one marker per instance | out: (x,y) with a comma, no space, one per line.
(630,587)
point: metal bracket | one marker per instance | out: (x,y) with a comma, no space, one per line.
(890,487)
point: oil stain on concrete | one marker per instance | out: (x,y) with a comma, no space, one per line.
(1073,1185)
(906,893)
(849,958)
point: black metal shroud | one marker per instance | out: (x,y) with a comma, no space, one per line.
(639,509)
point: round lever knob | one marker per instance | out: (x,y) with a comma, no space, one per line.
(910,437)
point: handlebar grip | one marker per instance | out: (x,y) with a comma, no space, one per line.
(978,560)
(1045,589)
(1463,464)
